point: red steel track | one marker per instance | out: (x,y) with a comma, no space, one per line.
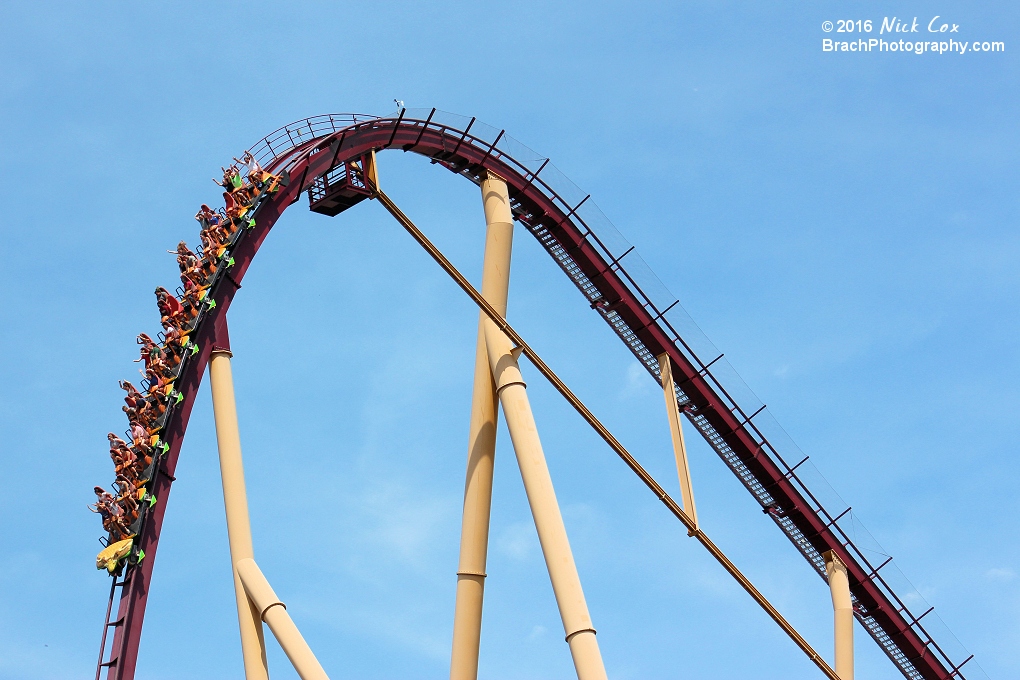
(573,232)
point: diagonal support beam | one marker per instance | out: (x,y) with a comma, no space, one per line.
(603,432)
(274,613)
(677,431)
(552,534)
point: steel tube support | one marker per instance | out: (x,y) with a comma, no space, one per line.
(235,501)
(552,534)
(474,535)
(676,429)
(842,615)
(649,481)
(274,613)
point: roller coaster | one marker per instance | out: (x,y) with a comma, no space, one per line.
(332,159)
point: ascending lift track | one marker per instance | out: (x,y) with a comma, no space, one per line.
(328,157)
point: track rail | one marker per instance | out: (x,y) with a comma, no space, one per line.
(614,281)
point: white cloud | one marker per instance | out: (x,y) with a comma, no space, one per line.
(636,382)
(518,541)
(1000,574)
(405,526)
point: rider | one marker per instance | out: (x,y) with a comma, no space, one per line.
(189,265)
(231,179)
(173,344)
(206,216)
(258,177)
(138,433)
(110,511)
(171,310)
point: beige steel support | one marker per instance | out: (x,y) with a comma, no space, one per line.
(235,500)
(474,535)
(274,613)
(522,347)
(842,615)
(372,171)
(676,429)
(552,534)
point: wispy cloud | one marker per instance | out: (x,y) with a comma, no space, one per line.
(406,529)
(518,541)
(636,381)
(1000,574)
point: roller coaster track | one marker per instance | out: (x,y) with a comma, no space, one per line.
(617,285)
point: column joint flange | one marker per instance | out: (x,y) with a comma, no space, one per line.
(577,632)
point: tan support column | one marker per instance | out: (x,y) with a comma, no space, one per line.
(274,613)
(474,535)
(235,499)
(676,429)
(842,614)
(542,497)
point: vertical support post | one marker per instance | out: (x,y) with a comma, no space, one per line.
(371,171)
(842,614)
(677,431)
(235,501)
(474,536)
(552,534)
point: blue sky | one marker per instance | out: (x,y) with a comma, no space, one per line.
(843,226)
